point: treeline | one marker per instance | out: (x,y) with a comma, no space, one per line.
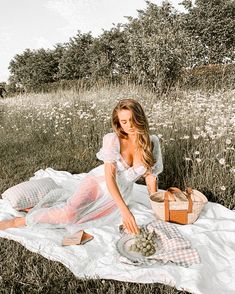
(153,49)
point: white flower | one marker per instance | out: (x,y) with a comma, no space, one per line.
(228,141)
(203,134)
(196,137)
(187,158)
(222,161)
(223,188)
(196,152)
(198,160)
(186,137)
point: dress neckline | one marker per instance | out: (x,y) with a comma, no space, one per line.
(119,146)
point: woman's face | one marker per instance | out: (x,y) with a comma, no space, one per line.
(125,120)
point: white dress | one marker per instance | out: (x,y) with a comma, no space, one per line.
(91,200)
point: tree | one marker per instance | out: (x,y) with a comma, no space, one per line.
(109,55)
(156,45)
(74,62)
(211,25)
(33,68)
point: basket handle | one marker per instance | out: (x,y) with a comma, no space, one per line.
(169,192)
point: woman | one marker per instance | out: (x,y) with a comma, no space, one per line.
(128,154)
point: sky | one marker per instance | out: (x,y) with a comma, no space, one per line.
(37,24)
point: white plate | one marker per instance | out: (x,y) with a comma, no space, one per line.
(123,245)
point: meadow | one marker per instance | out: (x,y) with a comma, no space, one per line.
(64,130)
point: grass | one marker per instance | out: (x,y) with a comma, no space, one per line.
(63,130)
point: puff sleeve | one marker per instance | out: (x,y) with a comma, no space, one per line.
(109,151)
(157,154)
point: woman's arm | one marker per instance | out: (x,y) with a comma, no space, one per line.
(151,182)
(128,218)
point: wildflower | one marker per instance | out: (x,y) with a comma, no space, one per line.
(198,160)
(222,161)
(232,170)
(187,158)
(196,152)
(223,188)
(228,141)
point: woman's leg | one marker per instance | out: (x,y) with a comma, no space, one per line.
(12,223)
(85,194)
(98,213)
(52,215)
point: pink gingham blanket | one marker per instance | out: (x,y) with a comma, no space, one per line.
(174,247)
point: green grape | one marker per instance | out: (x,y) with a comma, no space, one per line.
(144,243)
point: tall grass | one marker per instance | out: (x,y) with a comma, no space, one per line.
(64,130)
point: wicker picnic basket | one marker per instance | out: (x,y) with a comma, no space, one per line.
(174,205)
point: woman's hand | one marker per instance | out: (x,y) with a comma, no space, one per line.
(129,221)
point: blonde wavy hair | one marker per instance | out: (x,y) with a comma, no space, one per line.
(141,125)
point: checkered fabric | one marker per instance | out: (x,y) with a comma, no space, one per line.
(173,247)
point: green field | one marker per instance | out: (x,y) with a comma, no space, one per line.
(64,130)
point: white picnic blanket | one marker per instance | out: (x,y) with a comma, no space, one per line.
(212,235)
